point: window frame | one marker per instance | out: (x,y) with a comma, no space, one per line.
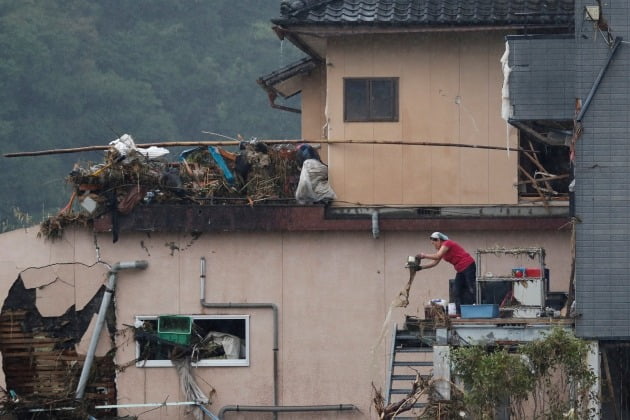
(203,362)
(370,106)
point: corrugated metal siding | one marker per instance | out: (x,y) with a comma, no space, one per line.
(542,81)
(603,183)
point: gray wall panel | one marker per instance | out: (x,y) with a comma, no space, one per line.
(602,170)
(542,81)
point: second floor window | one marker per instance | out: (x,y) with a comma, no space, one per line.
(370,99)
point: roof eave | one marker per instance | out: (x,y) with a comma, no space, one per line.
(304,36)
(363,28)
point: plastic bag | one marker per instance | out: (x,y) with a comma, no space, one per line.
(313,186)
(125,145)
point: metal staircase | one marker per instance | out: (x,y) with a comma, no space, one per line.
(411,353)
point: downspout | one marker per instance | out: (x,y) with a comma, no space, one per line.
(598,80)
(275,408)
(100,320)
(272,101)
(375,227)
(272,306)
(285,409)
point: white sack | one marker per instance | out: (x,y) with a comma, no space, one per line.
(313,186)
(231,343)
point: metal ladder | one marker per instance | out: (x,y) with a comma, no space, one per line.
(411,351)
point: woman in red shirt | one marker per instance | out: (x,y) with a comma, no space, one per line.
(452,252)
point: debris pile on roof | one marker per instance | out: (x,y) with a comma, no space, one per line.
(131,176)
(202,174)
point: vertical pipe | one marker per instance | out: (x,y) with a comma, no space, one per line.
(598,80)
(89,357)
(100,320)
(375,227)
(202,278)
(594,363)
(275,408)
(272,306)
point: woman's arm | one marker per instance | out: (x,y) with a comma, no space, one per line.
(431,264)
(437,256)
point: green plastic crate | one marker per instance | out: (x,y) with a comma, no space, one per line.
(175,328)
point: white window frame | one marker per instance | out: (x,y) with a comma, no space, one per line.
(202,362)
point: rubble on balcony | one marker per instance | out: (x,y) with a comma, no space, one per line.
(130,176)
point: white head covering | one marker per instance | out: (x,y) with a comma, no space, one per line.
(438,235)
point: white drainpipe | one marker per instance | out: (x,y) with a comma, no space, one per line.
(100,320)
(272,306)
(375,227)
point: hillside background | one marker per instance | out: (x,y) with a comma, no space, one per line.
(77,73)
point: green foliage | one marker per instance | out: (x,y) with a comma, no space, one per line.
(545,371)
(79,73)
(491,378)
(559,366)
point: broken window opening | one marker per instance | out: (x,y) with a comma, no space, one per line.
(214,340)
(370,99)
(544,169)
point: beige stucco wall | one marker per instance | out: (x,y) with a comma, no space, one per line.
(450,92)
(313,101)
(313,121)
(333,291)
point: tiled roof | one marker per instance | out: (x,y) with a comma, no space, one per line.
(271,81)
(427,12)
(302,66)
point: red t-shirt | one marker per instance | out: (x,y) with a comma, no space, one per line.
(457,256)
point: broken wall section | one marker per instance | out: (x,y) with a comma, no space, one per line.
(46,320)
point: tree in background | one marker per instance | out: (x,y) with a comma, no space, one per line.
(79,73)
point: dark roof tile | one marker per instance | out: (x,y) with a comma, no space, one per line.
(427,12)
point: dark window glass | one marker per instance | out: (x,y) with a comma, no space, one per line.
(371,99)
(382,99)
(357,99)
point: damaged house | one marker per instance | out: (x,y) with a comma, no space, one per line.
(262,279)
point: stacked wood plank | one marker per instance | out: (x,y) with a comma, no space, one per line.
(43,371)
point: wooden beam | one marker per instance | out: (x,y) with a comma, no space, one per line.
(540,137)
(535,184)
(537,163)
(544,179)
